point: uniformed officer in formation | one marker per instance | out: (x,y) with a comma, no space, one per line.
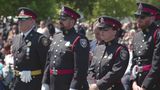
(110,60)
(29,49)
(146,47)
(67,62)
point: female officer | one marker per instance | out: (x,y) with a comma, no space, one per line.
(110,59)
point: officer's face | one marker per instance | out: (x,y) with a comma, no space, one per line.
(108,35)
(66,23)
(25,25)
(143,21)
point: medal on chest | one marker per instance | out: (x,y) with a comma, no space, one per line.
(28,50)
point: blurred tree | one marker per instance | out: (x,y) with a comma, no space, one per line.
(43,8)
(116,8)
(93,8)
(154,2)
(88,8)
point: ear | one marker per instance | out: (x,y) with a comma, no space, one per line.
(73,21)
(153,18)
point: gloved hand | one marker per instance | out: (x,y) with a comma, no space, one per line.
(45,87)
(25,76)
(134,72)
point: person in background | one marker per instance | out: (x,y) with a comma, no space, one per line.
(13,32)
(96,41)
(43,28)
(8,66)
(51,29)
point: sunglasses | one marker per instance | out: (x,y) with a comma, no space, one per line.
(24,19)
(104,28)
(64,18)
(140,16)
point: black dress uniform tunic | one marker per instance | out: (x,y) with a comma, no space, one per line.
(29,54)
(108,66)
(146,58)
(67,62)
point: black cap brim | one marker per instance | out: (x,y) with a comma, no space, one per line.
(103,26)
(142,14)
(19,17)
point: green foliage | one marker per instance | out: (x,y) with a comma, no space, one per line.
(154,2)
(90,9)
(43,8)
(116,8)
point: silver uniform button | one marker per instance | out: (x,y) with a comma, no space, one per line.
(140,74)
(113,86)
(97,74)
(16,66)
(54,61)
(142,40)
(98,68)
(139,63)
(54,43)
(139,51)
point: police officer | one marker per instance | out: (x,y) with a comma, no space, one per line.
(146,47)
(29,50)
(110,59)
(67,62)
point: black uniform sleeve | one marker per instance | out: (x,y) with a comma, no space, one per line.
(117,70)
(81,57)
(46,74)
(154,73)
(91,73)
(43,47)
(43,53)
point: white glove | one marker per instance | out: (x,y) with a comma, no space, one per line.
(45,87)
(25,76)
(134,71)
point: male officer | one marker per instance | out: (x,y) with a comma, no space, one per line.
(67,63)
(29,49)
(146,47)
